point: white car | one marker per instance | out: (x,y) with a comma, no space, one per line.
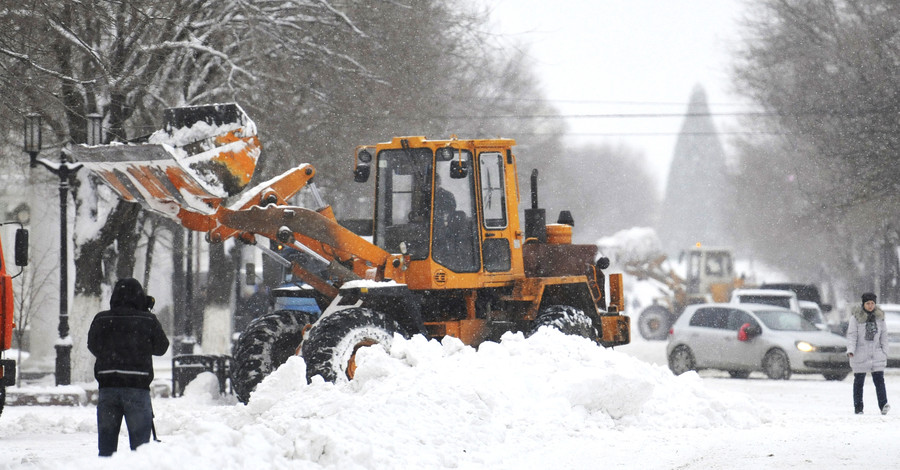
(782,298)
(892,319)
(811,311)
(742,338)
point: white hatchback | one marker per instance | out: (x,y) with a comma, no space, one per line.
(742,338)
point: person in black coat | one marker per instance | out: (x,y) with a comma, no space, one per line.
(124,340)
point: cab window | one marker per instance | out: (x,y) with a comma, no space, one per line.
(493,190)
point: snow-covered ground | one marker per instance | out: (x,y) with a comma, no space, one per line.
(548,401)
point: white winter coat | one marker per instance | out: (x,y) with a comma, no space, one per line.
(868,356)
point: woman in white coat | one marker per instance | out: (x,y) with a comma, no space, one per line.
(867,345)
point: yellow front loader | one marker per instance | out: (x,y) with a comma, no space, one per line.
(448,256)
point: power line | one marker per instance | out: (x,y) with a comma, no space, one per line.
(629,115)
(610,102)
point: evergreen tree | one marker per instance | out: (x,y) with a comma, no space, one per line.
(694,207)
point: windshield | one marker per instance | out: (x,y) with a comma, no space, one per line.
(403,192)
(718,264)
(455,241)
(783,320)
(812,314)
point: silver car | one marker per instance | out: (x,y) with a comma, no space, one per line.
(742,338)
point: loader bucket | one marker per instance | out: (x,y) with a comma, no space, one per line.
(203,155)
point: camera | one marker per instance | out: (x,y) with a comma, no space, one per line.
(149,302)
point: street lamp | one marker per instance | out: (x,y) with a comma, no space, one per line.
(95,129)
(33,136)
(64,170)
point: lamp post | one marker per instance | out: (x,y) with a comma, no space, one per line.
(64,170)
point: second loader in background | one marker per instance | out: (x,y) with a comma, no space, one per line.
(710,278)
(448,257)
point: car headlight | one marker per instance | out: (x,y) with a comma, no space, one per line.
(805,347)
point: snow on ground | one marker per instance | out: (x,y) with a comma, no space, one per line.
(549,401)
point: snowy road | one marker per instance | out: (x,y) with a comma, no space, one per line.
(805,422)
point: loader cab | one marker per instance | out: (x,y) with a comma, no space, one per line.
(445,204)
(710,271)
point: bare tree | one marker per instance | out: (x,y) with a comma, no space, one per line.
(607,188)
(29,297)
(825,71)
(318,76)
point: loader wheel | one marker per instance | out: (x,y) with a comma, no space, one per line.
(654,322)
(330,347)
(2,397)
(568,320)
(266,343)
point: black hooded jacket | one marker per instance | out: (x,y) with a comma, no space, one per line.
(125,338)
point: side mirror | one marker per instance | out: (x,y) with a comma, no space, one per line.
(21,247)
(459,169)
(362,166)
(603,262)
(361,173)
(748,332)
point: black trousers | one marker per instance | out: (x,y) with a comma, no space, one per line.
(859,380)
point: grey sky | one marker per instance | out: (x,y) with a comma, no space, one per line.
(628,57)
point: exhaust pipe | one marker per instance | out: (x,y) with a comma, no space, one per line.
(535,218)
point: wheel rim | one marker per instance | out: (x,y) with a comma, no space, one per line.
(776,366)
(351,363)
(681,361)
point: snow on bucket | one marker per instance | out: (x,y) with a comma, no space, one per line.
(203,155)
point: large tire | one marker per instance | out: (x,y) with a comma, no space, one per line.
(654,322)
(568,320)
(266,343)
(329,348)
(2,397)
(776,365)
(681,360)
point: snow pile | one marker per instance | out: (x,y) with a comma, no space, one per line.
(431,404)
(637,244)
(37,421)
(199,131)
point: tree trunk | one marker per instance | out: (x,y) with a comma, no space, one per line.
(89,277)
(217,312)
(183,343)
(119,227)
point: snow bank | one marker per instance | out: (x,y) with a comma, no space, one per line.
(431,404)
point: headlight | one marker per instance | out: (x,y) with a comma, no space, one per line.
(805,347)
